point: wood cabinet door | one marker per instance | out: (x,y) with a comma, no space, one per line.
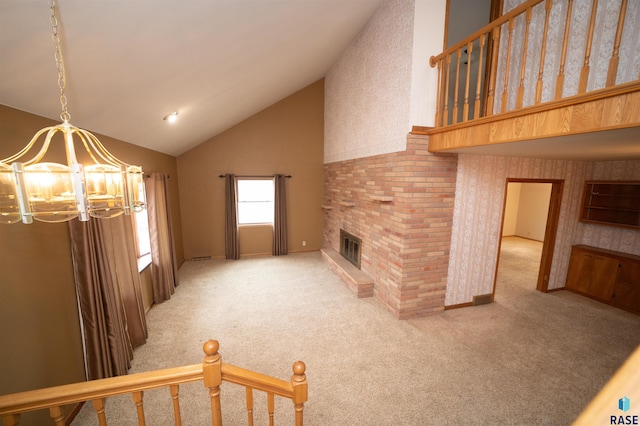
(578,276)
(592,275)
(604,274)
(627,289)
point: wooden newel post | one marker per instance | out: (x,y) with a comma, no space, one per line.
(212,377)
(300,390)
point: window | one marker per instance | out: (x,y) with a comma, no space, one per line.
(255,201)
(141,225)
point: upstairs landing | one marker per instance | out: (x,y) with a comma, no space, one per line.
(600,125)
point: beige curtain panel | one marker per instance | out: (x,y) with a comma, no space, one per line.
(231,246)
(164,269)
(110,298)
(280,216)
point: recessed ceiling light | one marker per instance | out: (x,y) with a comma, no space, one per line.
(172,117)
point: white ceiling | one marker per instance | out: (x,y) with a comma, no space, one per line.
(130,62)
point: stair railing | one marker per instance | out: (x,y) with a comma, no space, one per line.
(212,372)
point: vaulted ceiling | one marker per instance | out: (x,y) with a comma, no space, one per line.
(131,62)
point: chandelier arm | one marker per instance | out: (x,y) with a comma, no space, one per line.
(45,146)
(101,150)
(30,145)
(88,145)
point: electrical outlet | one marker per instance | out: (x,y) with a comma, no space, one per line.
(304,244)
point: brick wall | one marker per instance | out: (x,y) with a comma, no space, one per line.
(405,238)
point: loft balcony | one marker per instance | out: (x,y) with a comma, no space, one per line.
(549,79)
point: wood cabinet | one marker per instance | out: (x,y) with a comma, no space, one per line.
(611,203)
(605,275)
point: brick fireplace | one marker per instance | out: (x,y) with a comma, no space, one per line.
(401,206)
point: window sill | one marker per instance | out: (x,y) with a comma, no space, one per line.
(144,262)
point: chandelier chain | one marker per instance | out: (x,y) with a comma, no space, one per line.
(64,115)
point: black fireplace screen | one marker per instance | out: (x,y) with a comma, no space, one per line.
(350,247)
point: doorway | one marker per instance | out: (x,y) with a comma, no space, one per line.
(524,218)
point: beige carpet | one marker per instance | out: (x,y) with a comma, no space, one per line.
(529,358)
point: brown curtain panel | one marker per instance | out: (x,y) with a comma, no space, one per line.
(109,293)
(280,216)
(164,266)
(231,246)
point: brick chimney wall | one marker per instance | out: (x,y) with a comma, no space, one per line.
(403,212)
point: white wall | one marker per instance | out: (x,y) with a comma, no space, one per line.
(526,210)
(511,209)
(533,210)
(428,38)
(382,85)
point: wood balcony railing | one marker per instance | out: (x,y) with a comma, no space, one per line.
(212,372)
(541,52)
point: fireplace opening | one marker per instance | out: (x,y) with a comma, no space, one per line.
(350,247)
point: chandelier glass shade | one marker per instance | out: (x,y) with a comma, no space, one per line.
(54,192)
(31,188)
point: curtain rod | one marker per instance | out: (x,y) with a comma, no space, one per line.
(255,177)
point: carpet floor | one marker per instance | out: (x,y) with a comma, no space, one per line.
(529,358)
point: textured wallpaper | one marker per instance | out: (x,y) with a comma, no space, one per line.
(480,191)
(603,39)
(368,90)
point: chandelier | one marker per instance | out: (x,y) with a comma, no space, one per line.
(31,188)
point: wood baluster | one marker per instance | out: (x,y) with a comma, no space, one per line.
(271,406)
(615,59)
(249,392)
(11,420)
(137,399)
(465,109)
(446,91)
(300,390)
(98,406)
(584,72)
(503,106)
(476,105)
(175,390)
(543,51)
(212,378)
(493,73)
(57,415)
(439,102)
(455,95)
(520,97)
(563,58)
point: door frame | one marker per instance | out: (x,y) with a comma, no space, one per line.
(550,233)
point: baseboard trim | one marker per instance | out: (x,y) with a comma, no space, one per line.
(460,305)
(482,299)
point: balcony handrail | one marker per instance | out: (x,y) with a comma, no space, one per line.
(433,60)
(509,76)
